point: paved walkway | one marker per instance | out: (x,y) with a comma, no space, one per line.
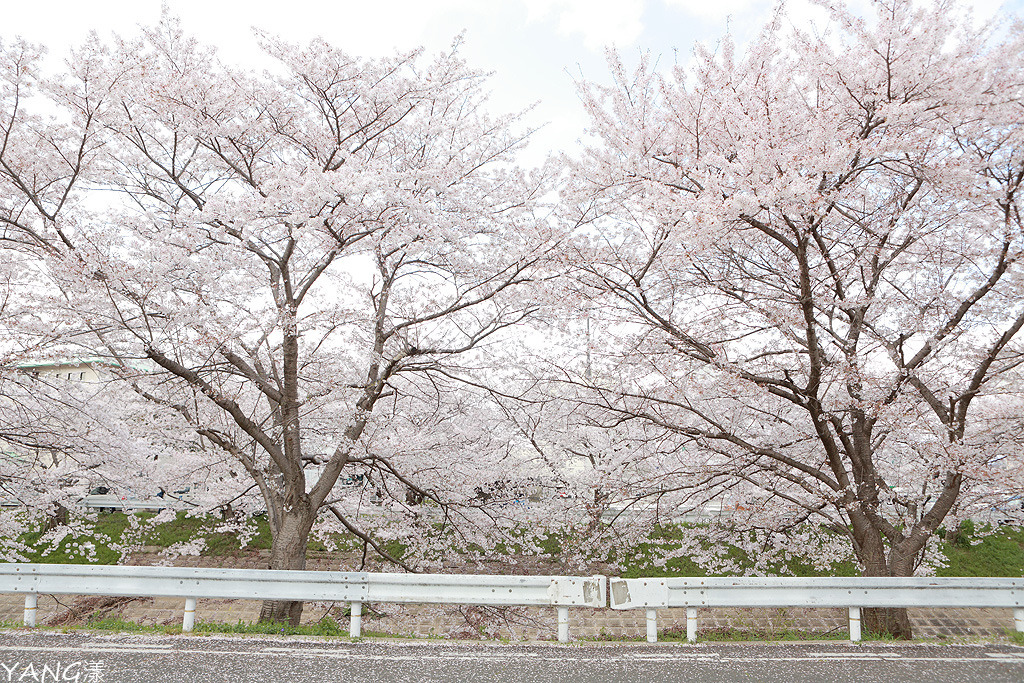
(468,622)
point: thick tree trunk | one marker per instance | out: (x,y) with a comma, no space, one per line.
(288,551)
(893,621)
(887,620)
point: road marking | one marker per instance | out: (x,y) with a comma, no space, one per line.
(103,643)
(671,656)
(872,659)
(1005,655)
(144,649)
(856,655)
(643,657)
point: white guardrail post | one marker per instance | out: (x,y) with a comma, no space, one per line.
(30,609)
(563,624)
(355,625)
(854,624)
(850,593)
(652,625)
(189,620)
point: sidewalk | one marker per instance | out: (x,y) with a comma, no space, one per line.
(467,622)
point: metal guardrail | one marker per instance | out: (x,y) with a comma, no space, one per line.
(853,593)
(111,502)
(355,588)
(560,592)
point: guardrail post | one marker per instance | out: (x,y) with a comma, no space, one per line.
(190,615)
(355,626)
(30,609)
(691,624)
(563,624)
(854,624)
(1018,619)
(652,625)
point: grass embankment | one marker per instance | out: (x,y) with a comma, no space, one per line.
(644,560)
(997,554)
(970,553)
(112,530)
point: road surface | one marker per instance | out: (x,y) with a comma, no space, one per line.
(117,658)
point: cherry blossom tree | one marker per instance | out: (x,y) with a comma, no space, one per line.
(305,262)
(806,255)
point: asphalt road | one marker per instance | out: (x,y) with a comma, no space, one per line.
(98,658)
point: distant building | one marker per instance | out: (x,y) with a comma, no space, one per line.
(97,491)
(81,369)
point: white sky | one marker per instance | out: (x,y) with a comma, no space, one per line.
(534,47)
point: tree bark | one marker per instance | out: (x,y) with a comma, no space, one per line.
(887,620)
(287,552)
(59,518)
(893,621)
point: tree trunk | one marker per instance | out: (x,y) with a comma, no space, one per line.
(883,620)
(59,518)
(887,620)
(287,551)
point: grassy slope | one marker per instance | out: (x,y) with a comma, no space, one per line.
(115,527)
(998,554)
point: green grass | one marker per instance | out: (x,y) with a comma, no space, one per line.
(974,552)
(111,528)
(120,625)
(114,528)
(785,634)
(106,528)
(327,627)
(871,636)
(640,561)
(998,554)
(744,635)
(185,528)
(605,637)
(324,627)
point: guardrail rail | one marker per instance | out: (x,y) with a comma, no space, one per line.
(853,593)
(559,592)
(356,588)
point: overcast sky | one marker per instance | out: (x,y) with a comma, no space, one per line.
(534,47)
